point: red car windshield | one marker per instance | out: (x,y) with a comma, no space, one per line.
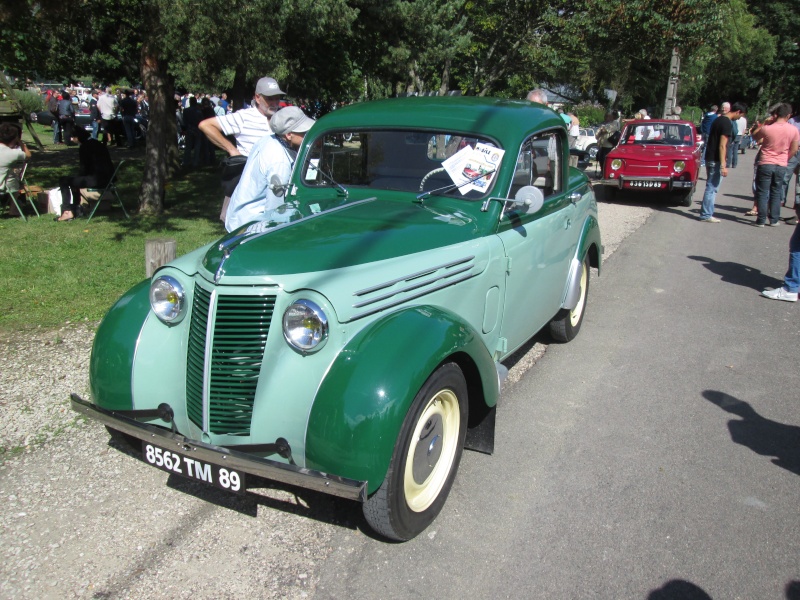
(667,133)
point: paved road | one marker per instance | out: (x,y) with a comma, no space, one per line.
(657,456)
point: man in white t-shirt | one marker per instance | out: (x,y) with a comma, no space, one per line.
(247,126)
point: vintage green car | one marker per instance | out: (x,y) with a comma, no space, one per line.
(352,341)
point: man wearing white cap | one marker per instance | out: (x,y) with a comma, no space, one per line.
(247,126)
(268,168)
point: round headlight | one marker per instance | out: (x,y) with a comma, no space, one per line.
(305,326)
(167,299)
(679,166)
(616,164)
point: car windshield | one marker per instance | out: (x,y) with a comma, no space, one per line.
(439,162)
(657,132)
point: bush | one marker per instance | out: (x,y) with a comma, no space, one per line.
(30,101)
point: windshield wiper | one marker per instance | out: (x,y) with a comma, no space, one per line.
(452,186)
(335,184)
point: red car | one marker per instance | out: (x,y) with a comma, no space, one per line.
(655,156)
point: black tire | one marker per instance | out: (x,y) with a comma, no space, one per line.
(688,198)
(592,151)
(567,323)
(414,490)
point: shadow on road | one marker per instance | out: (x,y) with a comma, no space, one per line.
(763,436)
(738,274)
(678,589)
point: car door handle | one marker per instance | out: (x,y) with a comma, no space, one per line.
(574,197)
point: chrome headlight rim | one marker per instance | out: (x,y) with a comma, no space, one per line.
(296,331)
(616,164)
(679,166)
(168,299)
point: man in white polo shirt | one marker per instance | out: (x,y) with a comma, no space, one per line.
(247,126)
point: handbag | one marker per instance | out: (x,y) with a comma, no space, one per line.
(232,168)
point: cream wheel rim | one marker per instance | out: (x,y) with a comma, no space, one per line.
(575,313)
(432,450)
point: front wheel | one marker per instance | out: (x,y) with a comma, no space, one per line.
(567,323)
(425,458)
(687,198)
(592,151)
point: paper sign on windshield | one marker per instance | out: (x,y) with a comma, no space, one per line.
(479,164)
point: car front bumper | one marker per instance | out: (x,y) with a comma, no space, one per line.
(639,183)
(229,457)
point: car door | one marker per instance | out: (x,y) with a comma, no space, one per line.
(538,246)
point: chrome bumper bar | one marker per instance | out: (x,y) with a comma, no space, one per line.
(253,465)
(672,184)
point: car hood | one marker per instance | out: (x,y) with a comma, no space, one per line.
(362,232)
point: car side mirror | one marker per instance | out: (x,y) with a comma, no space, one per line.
(529,198)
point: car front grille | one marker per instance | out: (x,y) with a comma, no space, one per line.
(227,337)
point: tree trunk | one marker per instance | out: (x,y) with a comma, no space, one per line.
(238,89)
(160,132)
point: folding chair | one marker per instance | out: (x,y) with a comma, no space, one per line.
(5,192)
(29,193)
(111,186)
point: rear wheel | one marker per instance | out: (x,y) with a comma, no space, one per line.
(425,458)
(567,323)
(592,151)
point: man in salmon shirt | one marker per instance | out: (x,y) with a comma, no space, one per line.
(779,140)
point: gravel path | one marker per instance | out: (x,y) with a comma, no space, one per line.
(82,519)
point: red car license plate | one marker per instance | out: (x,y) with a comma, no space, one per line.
(650,185)
(191,468)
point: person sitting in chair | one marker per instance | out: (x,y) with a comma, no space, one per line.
(13,153)
(96,170)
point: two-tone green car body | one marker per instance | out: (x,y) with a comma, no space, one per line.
(352,340)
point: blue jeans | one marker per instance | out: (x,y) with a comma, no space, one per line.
(127,124)
(769,189)
(95,128)
(713,180)
(56,130)
(793,168)
(792,279)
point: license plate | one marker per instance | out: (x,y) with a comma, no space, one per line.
(191,468)
(657,185)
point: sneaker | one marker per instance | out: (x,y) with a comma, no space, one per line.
(775,224)
(780,293)
(758,224)
(710,220)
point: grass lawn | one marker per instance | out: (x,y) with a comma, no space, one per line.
(56,272)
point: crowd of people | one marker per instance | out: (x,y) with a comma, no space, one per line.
(112,115)
(261,141)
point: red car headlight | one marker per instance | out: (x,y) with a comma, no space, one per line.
(679,166)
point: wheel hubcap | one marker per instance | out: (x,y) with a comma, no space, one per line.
(432,449)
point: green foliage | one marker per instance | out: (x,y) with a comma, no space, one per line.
(30,101)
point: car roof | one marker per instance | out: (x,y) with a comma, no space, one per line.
(507,120)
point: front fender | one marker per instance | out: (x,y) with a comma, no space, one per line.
(365,396)
(111,365)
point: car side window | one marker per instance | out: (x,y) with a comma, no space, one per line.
(539,164)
